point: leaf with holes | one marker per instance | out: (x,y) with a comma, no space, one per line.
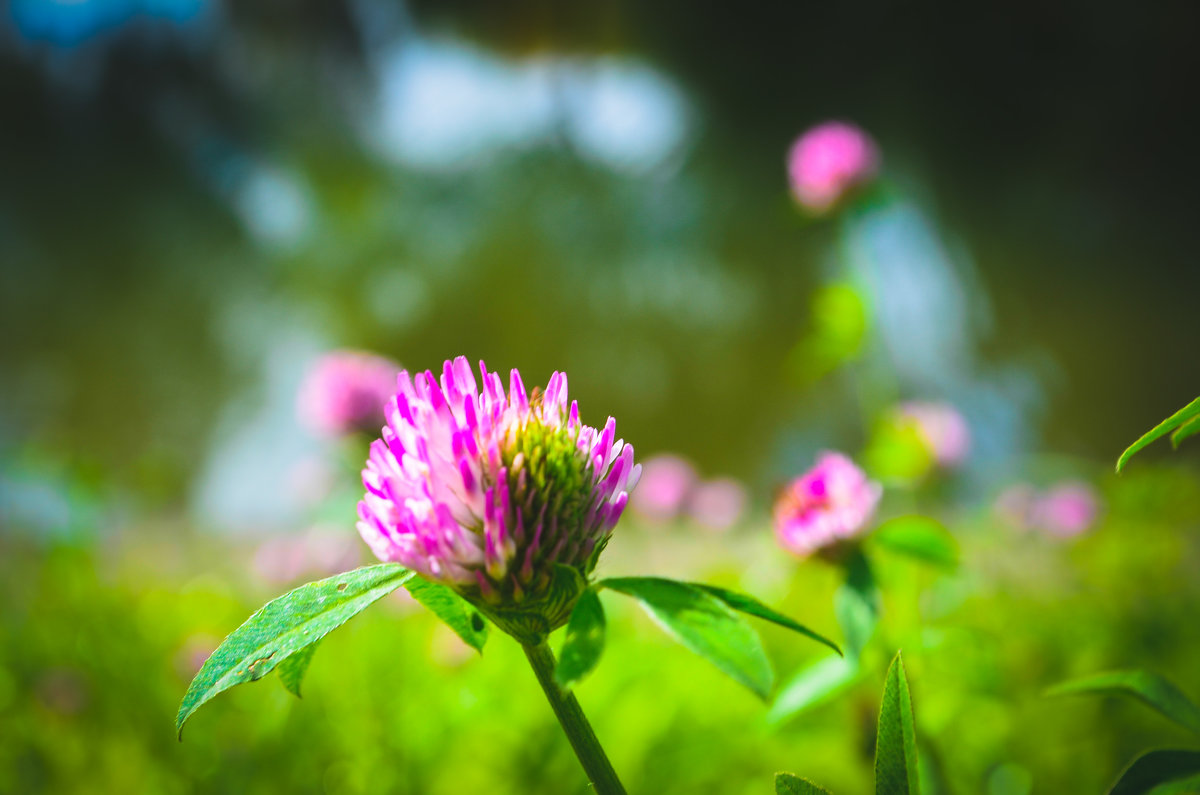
(584,642)
(704,624)
(1149,688)
(285,625)
(456,612)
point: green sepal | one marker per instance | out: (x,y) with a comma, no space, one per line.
(584,641)
(456,612)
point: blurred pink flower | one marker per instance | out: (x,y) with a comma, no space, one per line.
(665,484)
(942,428)
(717,504)
(319,552)
(828,160)
(1014,505)
(344,392)
(193,654)
(830,502)
(1066,510)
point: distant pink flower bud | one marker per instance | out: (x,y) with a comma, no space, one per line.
(717,504)
(942,428)
(833,501)
(494,493)
(344,392)
(828,160)
(665,484)
(1066,510)
(1014,505)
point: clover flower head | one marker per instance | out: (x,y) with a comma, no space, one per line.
(344,391)
(831,502)
(827,161)
(495,493)
(942,428)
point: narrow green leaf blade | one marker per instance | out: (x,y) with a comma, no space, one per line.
(1189,428)
(456,612)
(896,741)
(285,625)
(1151,689)
(584,642)
(787,784)
(918,537)
(294,667)
(856,604)
(1177,419)
(705,625)
(750,606)
(1160,772)
(810,686)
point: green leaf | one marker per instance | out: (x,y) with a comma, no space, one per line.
(810,686)
(1161,772)
(856,603)
(751,606)
(293,668)
(584,642)
(1189,428)
(285,625)
(456,612)
(1179,418)
(787,784)
(704,624)
(918,537)
(896,741)
(1151,689)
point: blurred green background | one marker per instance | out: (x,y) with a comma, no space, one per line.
(198,198)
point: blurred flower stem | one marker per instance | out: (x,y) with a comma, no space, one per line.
(570,715)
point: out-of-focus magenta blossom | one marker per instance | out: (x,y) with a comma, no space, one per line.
(665,484)
(319,552)
(1014,505)
(717,504)
(1066,510)
(828,160)
(490,492)
(831,502)
(942,428)
(344,392)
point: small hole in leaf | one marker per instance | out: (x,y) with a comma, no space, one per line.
(342,586)
(477,622)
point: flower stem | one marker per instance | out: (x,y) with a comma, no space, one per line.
(566,708)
